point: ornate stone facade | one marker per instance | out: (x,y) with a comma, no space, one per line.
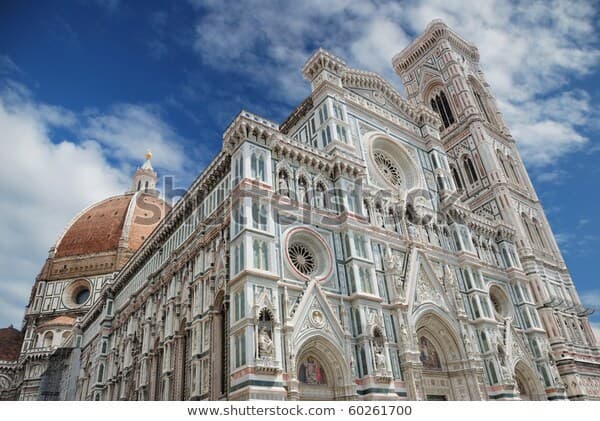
(370,247)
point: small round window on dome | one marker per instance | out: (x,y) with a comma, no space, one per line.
(82,296)
(77,293)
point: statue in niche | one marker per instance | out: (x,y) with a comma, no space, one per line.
(467,342)
(379,357)
(320,196)
(453,287)
(501,355)
(379,216)
(283,183)
(301,194)
(265,335)
(393,263)
(353,364)
(265,343)
(403,334)
(435,239)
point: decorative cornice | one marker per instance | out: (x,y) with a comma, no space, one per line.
(479,224)
(322,60)
(299,112)
(247,125)
(436,30)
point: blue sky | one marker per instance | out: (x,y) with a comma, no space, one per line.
(87,86)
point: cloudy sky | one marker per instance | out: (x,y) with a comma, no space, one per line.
(87,86)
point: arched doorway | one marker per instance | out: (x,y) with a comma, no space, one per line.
(321,371)
(442,356)
(527,385)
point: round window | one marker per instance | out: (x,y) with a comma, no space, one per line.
(82,296)
(500,302)
(77,293)
(307,254)
(388,167)
(302,258)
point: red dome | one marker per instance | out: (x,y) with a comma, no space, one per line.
(125,220)
(10,344)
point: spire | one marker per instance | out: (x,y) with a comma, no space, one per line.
(148,165)
(144,178)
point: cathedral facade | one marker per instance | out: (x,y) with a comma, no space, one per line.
(372,246)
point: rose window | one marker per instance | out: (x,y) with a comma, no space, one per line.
(302,258)
(388,167)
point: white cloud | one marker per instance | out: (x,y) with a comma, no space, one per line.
(379,42)
(8,66)
(590,298)
(529,51)
(127,130)
(552,176)
(543,142)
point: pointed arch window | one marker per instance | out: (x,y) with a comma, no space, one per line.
(367,211)
(457,179)
(257,166)
(470,170)
(261,255)
(481,106)
(255,215)
(256,253)
(514,172)
(528,228)
(261,168)
(262,215)
(492,372)
(254,166)
(475,307)
(440,105)
(485,345)
(241,167)
(100,377)
(539,234)
(48,339)
(503,163)
(264,256)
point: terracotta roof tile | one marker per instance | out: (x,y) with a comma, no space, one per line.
(10,344)
(59,321)
(100,228)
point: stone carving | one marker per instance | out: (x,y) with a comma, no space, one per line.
(403,335)
(265,343)
(394,265)
(426,291)
(379,358)
(317,319)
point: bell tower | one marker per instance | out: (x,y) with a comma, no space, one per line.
(441,70)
